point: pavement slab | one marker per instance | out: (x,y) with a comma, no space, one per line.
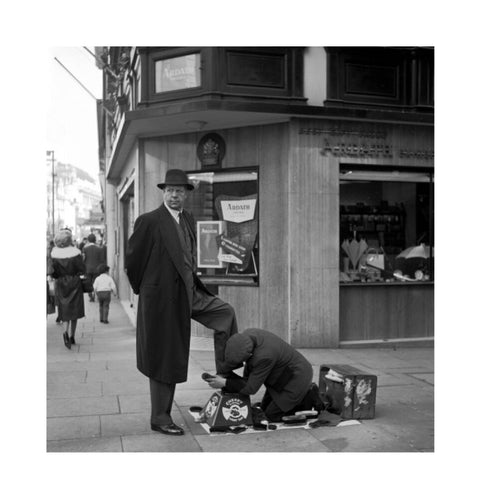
(134,403)
(73,389)
(124,424)
(100,405)
(158,443)
(60,377)
(359,439)
(87,445)
(73,427)
(69,365)
(294,440)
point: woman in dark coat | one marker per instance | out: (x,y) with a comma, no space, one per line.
(67,266)
(270,361)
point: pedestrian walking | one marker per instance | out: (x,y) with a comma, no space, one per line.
(93,256)
(67,266)
(82,243)
(161,268)
(104,286)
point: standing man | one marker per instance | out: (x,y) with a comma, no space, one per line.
(93,256)
(161,268)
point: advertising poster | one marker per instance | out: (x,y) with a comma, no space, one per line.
(240,236)
(209,252)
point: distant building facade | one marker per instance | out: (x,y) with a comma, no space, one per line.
(77,202)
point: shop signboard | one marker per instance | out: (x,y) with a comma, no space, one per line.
(177,73)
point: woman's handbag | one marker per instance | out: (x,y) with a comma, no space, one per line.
(86,284)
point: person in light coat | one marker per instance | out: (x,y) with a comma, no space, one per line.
(66,267)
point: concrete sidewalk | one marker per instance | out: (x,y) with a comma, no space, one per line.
(97,401)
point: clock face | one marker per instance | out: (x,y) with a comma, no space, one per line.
(418,275)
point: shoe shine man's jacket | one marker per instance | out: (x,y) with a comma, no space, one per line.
(269,360)
(156,271)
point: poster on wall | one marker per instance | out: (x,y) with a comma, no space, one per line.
(209,252)
(240,236)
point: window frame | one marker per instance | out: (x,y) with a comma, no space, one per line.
(252,279)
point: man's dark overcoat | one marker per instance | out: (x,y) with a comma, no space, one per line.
(286,373)
(93,256)
(156,271)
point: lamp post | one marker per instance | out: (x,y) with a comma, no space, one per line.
(51,153)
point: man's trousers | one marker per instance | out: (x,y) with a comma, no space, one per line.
(215,314)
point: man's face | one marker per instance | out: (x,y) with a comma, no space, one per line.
(174,196)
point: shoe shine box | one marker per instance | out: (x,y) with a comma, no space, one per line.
(227,410)
(351,392)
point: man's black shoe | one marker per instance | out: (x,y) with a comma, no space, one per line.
(170,429)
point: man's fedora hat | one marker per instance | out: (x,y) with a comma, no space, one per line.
(176,177)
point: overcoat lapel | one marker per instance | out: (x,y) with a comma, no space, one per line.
(171,241)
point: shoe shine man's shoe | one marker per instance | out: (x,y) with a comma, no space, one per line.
(170,429)
(72,340)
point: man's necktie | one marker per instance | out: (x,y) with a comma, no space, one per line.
(183,224)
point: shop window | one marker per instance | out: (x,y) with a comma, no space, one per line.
(386,225)
(225,207)
(395,77)
(128,216)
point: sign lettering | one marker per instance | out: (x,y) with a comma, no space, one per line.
(238,211)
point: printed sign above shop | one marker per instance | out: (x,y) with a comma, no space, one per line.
(370,142)
(177,73)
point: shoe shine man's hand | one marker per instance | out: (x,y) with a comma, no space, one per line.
(217,382)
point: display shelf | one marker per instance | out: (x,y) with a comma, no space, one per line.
(381,226)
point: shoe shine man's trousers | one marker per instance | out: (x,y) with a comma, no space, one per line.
(215,314)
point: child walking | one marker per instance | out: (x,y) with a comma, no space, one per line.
(104,286)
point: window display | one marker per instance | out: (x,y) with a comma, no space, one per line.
(386,225)
(225,206)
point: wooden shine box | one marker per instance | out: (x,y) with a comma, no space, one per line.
(352,392)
